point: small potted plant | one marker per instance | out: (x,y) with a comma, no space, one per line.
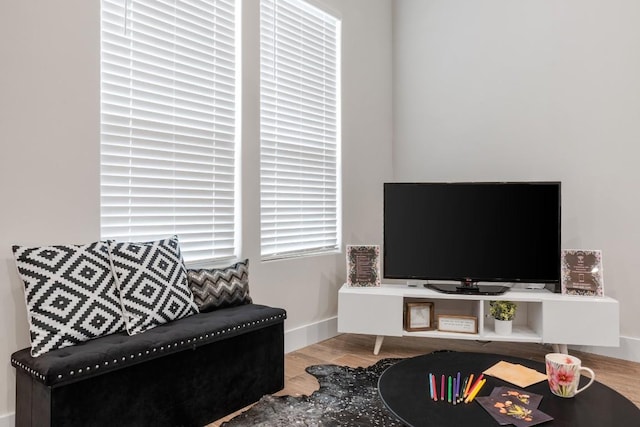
(503,312)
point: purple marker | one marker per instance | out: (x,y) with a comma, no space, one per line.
(455,387)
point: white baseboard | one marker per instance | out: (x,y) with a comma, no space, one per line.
(8,420)
(303,336)
(629,349)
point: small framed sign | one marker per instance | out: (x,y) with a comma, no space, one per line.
(418,316)
(464,324)
(581,272)
(363,265)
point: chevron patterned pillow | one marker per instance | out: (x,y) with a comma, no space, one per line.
(70,293)
(220,287)
(152,281)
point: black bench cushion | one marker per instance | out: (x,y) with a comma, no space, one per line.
(120,350)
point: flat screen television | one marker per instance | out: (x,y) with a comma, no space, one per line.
(473,232)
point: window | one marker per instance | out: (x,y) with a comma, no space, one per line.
(168,94)
(299,129)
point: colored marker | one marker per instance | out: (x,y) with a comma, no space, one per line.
(453,389)
(475,391)
(466,390)
(435,388)
(463,387)
(430,386)
(458,385)
(442,389)
(476,382)
(449,390)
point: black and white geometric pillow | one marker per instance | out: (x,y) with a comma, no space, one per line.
(218,288)
(70,293)
(152,281)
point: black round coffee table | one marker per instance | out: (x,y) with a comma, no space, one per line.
(404,389)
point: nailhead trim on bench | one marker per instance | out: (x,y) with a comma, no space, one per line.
(73,373)
(33,372)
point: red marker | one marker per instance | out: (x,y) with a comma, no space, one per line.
(476,383)
(435,388)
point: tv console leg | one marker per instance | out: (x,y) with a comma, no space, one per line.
(560,348)
(376,348)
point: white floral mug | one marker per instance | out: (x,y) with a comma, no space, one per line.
(563,374)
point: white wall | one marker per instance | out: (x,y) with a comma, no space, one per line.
(530,90)
(49,153)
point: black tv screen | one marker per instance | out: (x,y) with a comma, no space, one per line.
(472,232)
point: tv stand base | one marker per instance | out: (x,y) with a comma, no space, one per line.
(541,316)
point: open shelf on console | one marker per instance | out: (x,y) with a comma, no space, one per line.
(527,325)
(520,333)
(448,307)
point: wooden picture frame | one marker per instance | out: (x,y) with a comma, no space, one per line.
(418,316)
(461,324)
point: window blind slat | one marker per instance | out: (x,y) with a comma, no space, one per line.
(299,128)
(168,119)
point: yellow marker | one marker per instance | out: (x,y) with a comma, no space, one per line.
(475,391)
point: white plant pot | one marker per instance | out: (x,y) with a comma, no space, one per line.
(503,327)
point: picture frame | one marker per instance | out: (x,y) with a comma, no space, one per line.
(363,265)
(581,272)
(418,316)
(461,324)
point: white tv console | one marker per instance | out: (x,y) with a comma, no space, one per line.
(541,317)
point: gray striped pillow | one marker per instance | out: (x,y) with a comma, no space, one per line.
(220,287)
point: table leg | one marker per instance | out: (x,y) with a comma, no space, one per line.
(376,348)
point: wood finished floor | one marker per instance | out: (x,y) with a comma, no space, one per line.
(357,350)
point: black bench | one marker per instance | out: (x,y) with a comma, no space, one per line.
(189,372)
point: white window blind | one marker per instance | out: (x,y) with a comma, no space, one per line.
(168,90)
(299,129)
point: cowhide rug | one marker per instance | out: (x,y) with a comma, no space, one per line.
(347,397)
